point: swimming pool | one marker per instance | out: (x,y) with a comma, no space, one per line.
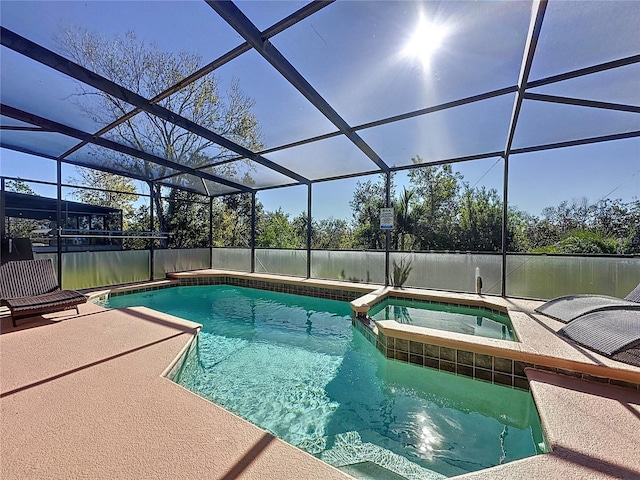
(294,366)
(452,318)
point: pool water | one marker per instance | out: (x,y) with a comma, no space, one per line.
(452,318)
(294,366)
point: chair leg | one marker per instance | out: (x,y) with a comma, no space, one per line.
(13,320)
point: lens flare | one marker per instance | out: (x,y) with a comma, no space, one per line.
(426,39)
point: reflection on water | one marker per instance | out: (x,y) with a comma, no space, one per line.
(430,439)
(401,314)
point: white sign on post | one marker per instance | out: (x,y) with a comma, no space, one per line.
(386,218)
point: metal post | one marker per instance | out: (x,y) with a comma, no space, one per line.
(253,232)
(3,227)
(59,218)
(309,223)
(505,231)
(210,232)
(535,25)
(387,242)
(151,229)
(121,244)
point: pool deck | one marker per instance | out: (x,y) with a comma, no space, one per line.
(84,396)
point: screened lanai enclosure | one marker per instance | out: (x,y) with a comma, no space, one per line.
(412,142)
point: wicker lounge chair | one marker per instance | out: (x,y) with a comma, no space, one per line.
(30,287)
(568,308)
(614,333)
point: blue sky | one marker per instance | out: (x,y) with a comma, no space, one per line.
(352,54)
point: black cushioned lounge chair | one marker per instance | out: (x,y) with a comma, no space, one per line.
(568,308)
(614,333)
(30,287)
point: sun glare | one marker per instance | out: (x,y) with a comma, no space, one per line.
(425,41)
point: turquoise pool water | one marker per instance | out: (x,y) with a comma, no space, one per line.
(459,319)
(294,366)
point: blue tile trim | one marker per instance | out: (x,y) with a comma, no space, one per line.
(487,368)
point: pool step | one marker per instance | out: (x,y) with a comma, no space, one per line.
(364,460)
(370,471)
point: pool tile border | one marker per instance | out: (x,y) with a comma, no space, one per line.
(460,362)
(296,289)
(424,301)
(487,368)
(129,291)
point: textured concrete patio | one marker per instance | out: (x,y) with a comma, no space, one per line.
(83,396)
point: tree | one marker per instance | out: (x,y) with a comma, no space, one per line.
(620,221)
(568,217)
(149,71)
(368,199)
(187,219)
(276,231)
(632,241)
(232,220)
(299,224)
(18,186)
(403,235)
(480,224)
(331,234)
(518,230)
(113,191)
(22,227)
(607,226)
(436,189)
(139,222)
